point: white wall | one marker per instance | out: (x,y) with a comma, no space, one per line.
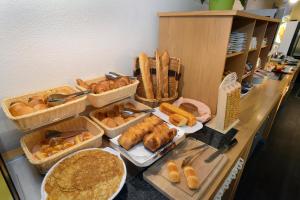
(50,43)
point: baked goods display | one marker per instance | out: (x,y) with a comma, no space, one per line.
(177,119)
(173,172)
(105,84)
(34,103)
(49,147)
(159,78)
(88,174)
(114,118)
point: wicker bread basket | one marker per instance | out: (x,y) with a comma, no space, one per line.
(111,96)
(174,77)
(43,117)
(113,132)
(78,123)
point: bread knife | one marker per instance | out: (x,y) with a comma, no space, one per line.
(222,150)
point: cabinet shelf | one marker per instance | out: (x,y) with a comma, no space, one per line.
(234,54)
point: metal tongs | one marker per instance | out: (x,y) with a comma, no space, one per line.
(114,76)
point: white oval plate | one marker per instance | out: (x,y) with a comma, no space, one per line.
(107,149)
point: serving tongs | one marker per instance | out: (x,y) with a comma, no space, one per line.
(56,99)
(127,112)
(55,136)
(114,76)
(189,160)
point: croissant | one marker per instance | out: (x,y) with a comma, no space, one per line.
(160,136)
(135,134)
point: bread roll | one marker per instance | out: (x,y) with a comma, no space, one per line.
(20,108)
(171,109)
(177,120)
(160,136)
(82,83)
(33,101)
(165,62)
(40,106)
(191,177)
(135,134)
(146,76)
(173,173)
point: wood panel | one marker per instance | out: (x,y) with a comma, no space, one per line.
(201,43)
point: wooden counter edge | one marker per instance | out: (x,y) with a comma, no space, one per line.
(217,13)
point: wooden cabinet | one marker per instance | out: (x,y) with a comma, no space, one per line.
(201,38)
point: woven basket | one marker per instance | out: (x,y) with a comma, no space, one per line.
(44,117)
(174,77)
(113,132)
(78,123)
(111,96)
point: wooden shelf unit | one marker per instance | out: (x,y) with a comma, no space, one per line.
(200,39)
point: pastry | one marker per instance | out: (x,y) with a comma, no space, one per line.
(173,173)
(160,136)
(135,134)
(20,108)
(165,61)
(146,76)
(159,78)
(33,101)
(171,109)
(83,84)
(191,177)
(177,120)
(190,108)
(40,106)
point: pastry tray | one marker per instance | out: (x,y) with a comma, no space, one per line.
(142,157)
(185,129)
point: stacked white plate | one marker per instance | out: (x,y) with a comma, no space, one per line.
(237,42)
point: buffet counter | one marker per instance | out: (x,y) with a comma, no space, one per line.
(258,107)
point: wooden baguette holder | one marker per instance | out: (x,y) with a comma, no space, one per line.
(173,83)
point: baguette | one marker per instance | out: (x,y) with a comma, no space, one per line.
(146,76)
(170,109)
(173,173)
(177,120)
(160,136)
(191,177)
(165,61)
(159,78)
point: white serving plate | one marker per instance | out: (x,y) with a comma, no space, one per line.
(107,149)
(142,157)
(185,129)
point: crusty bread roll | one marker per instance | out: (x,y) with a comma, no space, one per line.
(191,177)
(40,106)
(33,101)
(178,120)
(170,109)
(146,76)
(165,62)
(173,173)
(160,136)
(136,133)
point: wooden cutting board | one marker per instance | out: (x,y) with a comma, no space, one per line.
(156,175)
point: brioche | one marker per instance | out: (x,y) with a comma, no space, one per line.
(177,120)
(146,76)
(171,109)
(173,173)
(191,177)
(160,136)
